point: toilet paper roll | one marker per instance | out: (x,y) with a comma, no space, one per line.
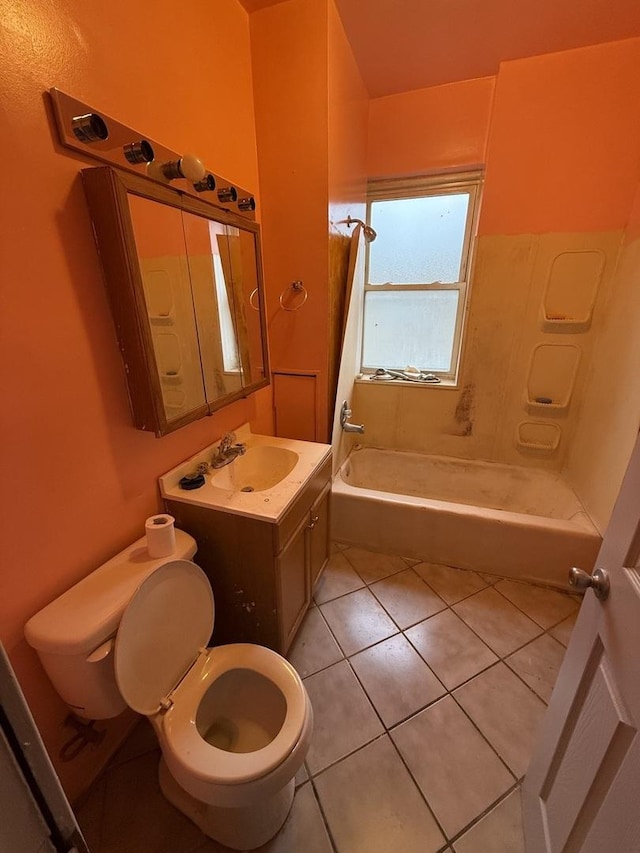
(161,535)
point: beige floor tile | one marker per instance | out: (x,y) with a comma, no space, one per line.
(344,719)
(490,579)
(411,561)
(373,806)
(141,740)
(450,648)
(314,647)
(563,631)
(500,831)
(302,776)
(396,679)
(304,829)
(338,546)
(372,566)
(450,584)
(544,606)
(89,812)
(338,578)
(538,664)
(358,620)
(138,817)
(407,598)
(505,711)
(501,625)
(456,769)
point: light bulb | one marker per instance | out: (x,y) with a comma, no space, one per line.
(188,166)
(191,168)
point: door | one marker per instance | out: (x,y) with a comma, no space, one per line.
(581,790)
(292,579)
(35,816)
(318,527)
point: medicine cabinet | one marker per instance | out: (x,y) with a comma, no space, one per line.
(184,281)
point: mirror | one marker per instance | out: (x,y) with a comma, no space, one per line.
(185,286)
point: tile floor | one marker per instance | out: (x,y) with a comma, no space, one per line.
(427,683)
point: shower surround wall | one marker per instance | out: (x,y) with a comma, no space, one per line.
(562,166)
(610,412)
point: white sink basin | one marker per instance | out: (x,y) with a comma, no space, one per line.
(261,467)
(273,471)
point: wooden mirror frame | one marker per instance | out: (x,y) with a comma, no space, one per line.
(108,192)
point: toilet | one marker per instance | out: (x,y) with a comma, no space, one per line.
(234,722)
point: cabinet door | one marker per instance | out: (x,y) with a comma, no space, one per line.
(293,584)
(319,536)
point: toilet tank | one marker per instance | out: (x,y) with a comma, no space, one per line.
(74,635)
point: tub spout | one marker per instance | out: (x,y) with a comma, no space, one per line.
(345,414)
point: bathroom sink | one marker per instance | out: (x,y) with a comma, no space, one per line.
(262,483)
(261,467)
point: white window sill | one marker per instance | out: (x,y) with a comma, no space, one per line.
(450,384)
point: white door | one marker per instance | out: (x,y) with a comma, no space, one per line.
(582,790)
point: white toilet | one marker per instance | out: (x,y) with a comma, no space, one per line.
(234,722)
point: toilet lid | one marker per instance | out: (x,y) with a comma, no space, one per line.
(167,621)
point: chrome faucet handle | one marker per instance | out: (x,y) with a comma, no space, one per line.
(226,441)
(345,414)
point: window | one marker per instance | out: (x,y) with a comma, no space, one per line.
(417,271)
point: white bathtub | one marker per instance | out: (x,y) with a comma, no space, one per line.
(502,519)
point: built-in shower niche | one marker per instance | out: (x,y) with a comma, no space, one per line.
(552,376)
(538,436)
(572,287)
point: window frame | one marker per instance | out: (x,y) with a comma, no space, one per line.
(419,187)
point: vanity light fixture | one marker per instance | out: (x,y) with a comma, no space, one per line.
(138,152)
(94,133)
(89,128)
(227,194)
(188,166)
(207,184)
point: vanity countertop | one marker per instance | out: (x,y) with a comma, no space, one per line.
(267,504)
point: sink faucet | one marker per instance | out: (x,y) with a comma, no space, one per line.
(227,451)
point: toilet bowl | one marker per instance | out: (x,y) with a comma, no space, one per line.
(234,722)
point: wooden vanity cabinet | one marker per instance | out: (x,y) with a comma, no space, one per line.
(262,573)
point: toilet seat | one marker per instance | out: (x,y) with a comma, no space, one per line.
(164,672)
(194,757)
(168,619)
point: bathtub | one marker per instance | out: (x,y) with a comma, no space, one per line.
(506,520)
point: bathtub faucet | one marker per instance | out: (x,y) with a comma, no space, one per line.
(345,414)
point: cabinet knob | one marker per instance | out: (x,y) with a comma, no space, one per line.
(314,520)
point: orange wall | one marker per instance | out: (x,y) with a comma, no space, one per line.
(289,50)
(348,129)
(80,479)
(563,152)
(430,130)
(311,119)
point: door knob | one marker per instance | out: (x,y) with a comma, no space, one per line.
(598,581)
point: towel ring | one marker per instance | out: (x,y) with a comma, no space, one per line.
(297,287)
(254,292)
